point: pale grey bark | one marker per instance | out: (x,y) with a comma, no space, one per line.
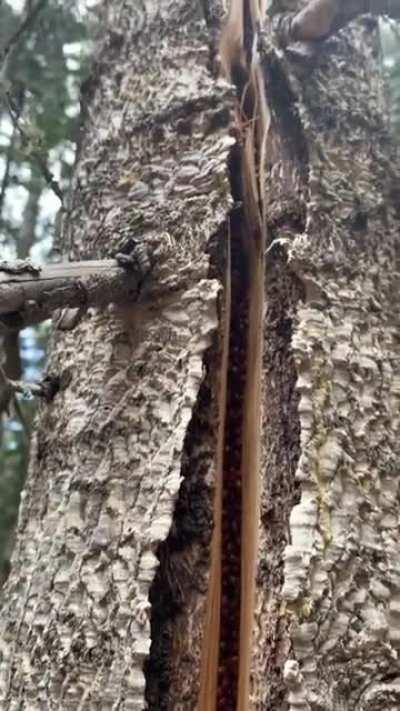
(124,461)
(329,586)
(107,460)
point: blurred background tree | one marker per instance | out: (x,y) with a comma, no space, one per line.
(41,70)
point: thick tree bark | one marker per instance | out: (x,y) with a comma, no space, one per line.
(170,555)
(111,451)
(328,584)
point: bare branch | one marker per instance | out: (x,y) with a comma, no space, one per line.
(28,389)
(30,294)
(322,18)
(9,388)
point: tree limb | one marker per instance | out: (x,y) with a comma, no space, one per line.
(30,294)
(46,389)
(322,18)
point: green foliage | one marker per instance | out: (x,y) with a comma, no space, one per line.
(15,440)
(41,76)
(40,84)
(13,465)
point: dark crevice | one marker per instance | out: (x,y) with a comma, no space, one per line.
(248,32)
(235,178)
(286,214)
(231,523)
(183,556)
(286,119)
(281,451)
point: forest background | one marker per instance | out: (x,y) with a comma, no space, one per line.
(44,59)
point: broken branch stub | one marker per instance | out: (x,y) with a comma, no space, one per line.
(30,294)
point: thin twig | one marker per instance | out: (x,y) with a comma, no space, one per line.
(25,25)
(13,110)
(27,140)
(12,387)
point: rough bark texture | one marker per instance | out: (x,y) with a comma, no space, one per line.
(111,451)
(329,616)
(134,432)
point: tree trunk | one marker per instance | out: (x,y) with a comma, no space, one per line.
(171,553)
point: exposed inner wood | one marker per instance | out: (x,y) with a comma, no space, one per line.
(237,500)
(211,637)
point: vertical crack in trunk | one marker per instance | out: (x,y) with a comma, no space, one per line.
(232,474)
(228,635)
